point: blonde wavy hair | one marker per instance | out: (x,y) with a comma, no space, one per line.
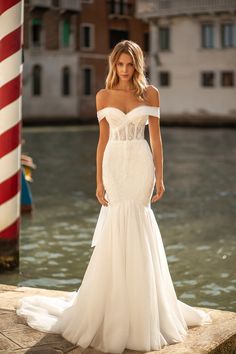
(139,80)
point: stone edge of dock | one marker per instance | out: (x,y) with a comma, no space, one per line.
(16,337)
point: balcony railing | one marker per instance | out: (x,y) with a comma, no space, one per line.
(63,5)
(159,8)
(70,5)
(40,3)
(119,8)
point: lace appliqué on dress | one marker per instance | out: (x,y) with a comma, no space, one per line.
(129,132)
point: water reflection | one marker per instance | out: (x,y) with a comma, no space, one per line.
(196,215)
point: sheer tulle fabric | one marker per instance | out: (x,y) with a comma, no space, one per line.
(127,298)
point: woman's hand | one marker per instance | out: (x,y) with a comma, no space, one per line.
(160,189)
(100,194)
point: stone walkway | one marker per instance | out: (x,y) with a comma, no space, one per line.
(16,337)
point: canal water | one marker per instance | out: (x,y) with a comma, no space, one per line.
(196,216)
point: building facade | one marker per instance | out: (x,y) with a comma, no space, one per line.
(66,47)
(51,60)
(193,56)
(102,25)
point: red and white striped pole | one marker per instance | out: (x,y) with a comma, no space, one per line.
(11,41)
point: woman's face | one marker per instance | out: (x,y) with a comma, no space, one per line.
(125,67)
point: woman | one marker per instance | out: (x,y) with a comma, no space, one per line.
(127,298)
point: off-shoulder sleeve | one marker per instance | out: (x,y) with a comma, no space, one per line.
(154,112)
(101,114)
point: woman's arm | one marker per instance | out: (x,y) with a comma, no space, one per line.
(102,142)
(156,143)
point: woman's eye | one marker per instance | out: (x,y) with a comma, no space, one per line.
(121,64)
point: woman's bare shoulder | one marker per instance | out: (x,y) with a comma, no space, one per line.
(101,98)
(102,91)
(152,90)
(153,95)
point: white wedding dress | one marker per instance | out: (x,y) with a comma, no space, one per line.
(127,298)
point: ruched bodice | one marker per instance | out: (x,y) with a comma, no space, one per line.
(128,126)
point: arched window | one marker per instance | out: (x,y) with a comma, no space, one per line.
(66,81)
(66,33)
(87,81)
(36,32)
(37,80)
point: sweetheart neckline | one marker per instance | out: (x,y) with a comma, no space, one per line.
(128,111)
